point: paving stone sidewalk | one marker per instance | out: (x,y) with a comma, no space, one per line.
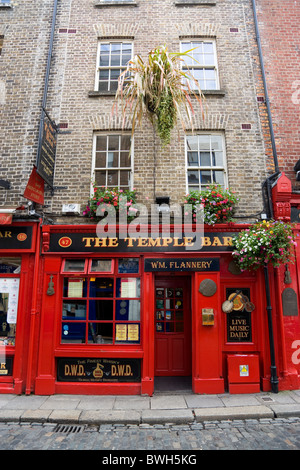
(158,409)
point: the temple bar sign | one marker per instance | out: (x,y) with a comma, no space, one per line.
(182,264)
(87,242)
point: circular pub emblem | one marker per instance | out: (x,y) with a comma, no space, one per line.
(65,242)
(21,237)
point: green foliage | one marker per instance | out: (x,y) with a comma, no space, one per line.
(218,204)
(264,242)
(102,196)
(159,89)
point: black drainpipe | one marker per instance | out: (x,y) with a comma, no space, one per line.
(267,183)
(44,102)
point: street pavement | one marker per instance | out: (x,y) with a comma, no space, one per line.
(161,408)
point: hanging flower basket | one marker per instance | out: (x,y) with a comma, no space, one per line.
(96,206)
(218,204)
(264,242)
(160,89)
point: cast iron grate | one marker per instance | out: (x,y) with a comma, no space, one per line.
(267,399)
(69,428)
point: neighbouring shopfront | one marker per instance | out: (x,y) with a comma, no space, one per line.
(119,312)
(18,283)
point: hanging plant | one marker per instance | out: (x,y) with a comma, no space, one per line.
(103,196)
(159,89)
(264,242)
(218,204)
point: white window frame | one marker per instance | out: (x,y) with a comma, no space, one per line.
(107,168)
(109,67)
(197,66)
(199,168)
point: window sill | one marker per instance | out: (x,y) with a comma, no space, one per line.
(100,4)
(190,3)
(213,92)
(95,94)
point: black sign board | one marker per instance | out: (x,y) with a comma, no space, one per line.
(182,264)
(89,242)
(239,329)
(6,366)
(12,237)
(46,160)
(98,370)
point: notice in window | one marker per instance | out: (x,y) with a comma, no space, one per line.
(9,295)
(121,332)
(75,288)
(133,332)
(128,288)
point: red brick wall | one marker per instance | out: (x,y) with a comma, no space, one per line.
(280,36)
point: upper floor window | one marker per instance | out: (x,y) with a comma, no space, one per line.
(112,60)
(113,161)
(202,63)
(205,159)
(1,43)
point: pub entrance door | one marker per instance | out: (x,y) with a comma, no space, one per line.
(173,355)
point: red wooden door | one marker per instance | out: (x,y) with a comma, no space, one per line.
(172,327)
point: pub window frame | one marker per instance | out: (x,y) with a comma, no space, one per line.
(11,275)
(110,68)
(199,168)
(107,169)
(198,66)
(90,301)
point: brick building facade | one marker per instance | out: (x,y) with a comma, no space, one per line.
(110,315)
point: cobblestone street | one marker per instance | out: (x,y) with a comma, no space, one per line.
(251,434)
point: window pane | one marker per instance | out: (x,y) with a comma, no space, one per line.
(209,59)
(100,333)
(205,159)
(103,86)
(205,177)
(101,265)
(128,265)
(128,310)
(74,287)
(128,287)
(193,159)
(125,142)
(10,265)
(125,160)
(101,309)
(218,177)
(112,159)
(100,178)
(102,287)
(208,48)
(192,143)
(73,332)
(113,142)
(216,142)
(104,60)
(204,142)
(217,159)
(124,178)
(193,177)
(101,143)
(74,265)
(74,310)
(100,160)
(112,178)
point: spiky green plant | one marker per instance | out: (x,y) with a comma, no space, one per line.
(160,89)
